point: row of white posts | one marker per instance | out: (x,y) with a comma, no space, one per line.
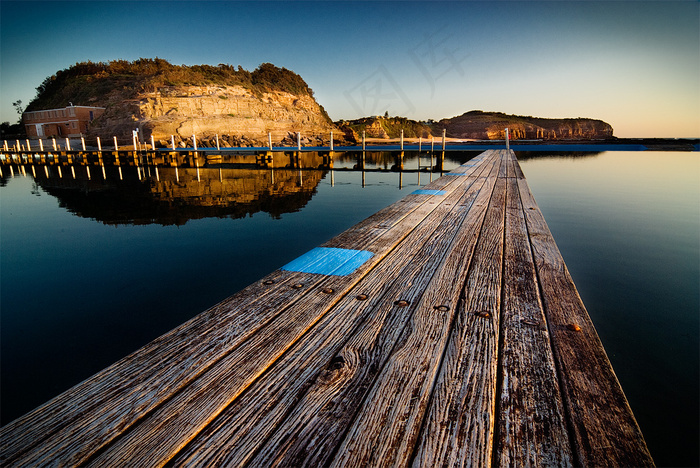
(136,142)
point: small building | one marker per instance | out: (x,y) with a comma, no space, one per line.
(71,121)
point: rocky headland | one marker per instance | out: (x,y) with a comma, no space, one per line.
(480,125)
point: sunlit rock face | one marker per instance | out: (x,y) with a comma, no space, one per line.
(491,126)
(237,115)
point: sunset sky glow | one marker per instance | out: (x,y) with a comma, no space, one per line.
(635,65)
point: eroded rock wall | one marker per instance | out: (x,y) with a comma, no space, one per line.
(491,126)
(236,114)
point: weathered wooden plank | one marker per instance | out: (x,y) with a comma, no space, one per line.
(178,420)
(301,392)
(531,418)
(603,429)
(119,396)
(517,170)
(459,424)
(321,419)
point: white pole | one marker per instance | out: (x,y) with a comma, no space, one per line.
(269,140)
(432,143)
(299,141)
(507,139)
(363,140)
(331,141)
(402,140)
(41,145)
(88,172)
(82,140)
(19,147)
(99,144)
(4,144)
(29,147)
(172,141)
(116,147)
(68,144)
(444,131)
(153,143)
(420,142)
(133,138)
(194,142)
(54,144)
(218,147)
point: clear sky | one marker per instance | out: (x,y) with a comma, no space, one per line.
(635,65)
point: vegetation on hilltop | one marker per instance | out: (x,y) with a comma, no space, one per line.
(90,83)
(386,127)
(481,116)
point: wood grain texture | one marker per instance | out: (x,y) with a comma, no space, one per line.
(458,428)
(531,419)
(605,432)
(316,426)
(238,433)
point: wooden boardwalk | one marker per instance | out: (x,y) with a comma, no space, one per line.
(444,330)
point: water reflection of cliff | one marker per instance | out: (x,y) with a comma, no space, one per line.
(171,191)
(174,196)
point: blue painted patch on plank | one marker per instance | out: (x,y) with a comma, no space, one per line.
(329,261)
(428,192)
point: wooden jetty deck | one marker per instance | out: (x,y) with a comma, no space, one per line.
(443,330)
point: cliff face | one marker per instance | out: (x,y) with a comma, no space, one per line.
(237,115)
(491,126)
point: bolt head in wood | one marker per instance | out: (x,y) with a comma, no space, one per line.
(327,290)
(268,282)
(361,297)
(401,303)
(573,327)
(482,314)
(297,286)
(441,308)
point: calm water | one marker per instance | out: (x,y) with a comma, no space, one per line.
(92,269)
